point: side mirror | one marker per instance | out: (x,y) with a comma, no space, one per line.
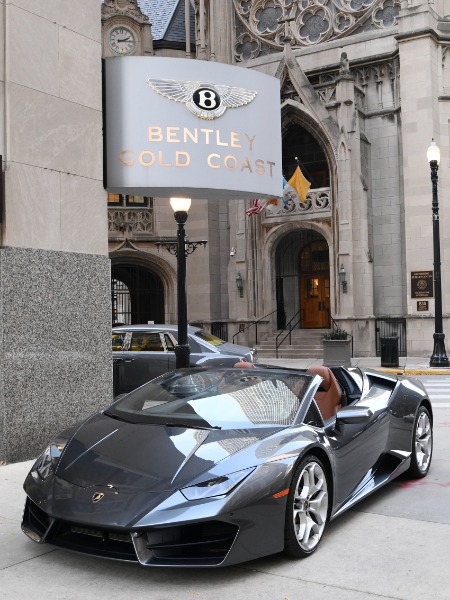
(354,414)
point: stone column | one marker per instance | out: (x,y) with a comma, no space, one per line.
(223,34)
(352,214)
(424,116)
(55,305)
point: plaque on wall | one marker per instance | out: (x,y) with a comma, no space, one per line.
(422,284)
(422,305)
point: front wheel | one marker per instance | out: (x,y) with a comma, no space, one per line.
(307,508)
(422,444)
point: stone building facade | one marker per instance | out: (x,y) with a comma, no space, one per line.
(364,86)
(368,82)
(363,89)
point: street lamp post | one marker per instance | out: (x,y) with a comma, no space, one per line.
(181,249)
(439,357)
(182,350)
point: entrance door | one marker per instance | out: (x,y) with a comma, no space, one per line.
(315,300)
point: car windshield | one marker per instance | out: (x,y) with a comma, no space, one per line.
(216,398)
(209,337)
(117,341)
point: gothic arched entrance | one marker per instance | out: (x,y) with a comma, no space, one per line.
(303,280)
(137,294)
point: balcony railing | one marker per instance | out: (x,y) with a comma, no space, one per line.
(318,203)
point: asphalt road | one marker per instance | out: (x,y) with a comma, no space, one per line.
(395,544)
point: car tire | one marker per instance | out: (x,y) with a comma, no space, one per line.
(307,508)
(422,444)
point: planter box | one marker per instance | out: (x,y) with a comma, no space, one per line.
(337,352)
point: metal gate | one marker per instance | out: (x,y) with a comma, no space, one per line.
(220,330)
(137,295)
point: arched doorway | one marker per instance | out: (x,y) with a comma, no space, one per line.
(137,295)
(303,280)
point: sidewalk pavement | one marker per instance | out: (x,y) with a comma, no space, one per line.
(407,365)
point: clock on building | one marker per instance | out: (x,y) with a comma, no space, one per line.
(122,40)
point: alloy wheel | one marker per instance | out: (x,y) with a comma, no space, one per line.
(310,506)
(423,441)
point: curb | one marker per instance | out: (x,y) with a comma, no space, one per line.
(406,371)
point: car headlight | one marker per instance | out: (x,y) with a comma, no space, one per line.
(48,460)
(219,486)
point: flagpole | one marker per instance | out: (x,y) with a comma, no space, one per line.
(302,168)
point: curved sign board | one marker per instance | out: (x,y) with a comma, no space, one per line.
(199,129)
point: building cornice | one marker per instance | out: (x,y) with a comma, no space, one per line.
(421,33)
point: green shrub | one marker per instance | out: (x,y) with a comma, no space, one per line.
(336,334)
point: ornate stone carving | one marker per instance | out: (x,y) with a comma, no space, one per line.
(130,223)
(128,8)
(376,85)
(327,93)
(288,91)
(344,68)
(317,201)
(261,28)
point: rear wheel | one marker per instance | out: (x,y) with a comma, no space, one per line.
(422,444)
(307,508)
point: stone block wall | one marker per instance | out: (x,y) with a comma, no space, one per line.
(55,306)
(55,345)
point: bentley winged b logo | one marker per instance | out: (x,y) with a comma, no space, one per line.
(205,100)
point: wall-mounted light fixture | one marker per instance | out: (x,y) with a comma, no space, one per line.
(233,251)
(240,285)
(343,278)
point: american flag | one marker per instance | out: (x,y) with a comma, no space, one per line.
(257,207)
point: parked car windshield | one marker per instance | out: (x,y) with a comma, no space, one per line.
(209,337)
(117,341)
(215,398)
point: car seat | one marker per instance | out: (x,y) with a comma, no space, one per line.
(329,395)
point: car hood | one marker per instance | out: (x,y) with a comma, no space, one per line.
(234,349)
(147,457)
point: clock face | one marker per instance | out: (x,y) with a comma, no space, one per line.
(122,40)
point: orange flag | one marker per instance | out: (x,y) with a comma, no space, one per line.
(299,183)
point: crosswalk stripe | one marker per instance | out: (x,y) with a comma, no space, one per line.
(438,390)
